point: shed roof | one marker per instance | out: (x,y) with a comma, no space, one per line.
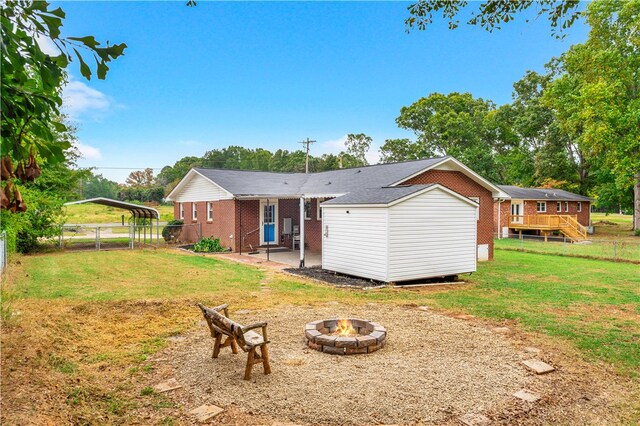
(136,210)
(384,195)
(542,194)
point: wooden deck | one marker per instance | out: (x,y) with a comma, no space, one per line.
(547,223)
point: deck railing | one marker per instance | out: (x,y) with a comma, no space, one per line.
(562,222)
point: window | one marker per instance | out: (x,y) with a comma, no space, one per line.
(579,206)
(558,206)
(194,211)
(181,206)
(209,210)
(477,200)
(318,208)
(541,206)
(566,206)
(307,210)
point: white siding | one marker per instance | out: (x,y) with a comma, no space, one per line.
(201,189)
(357,241)
(430,235)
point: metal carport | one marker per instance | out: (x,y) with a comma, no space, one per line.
(139,214)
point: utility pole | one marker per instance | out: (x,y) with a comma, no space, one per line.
(306,143)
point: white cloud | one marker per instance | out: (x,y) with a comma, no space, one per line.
(47,45)
(88,152)
(332,146)
(78,100)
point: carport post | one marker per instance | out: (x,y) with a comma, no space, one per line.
(301,232)
(158,231)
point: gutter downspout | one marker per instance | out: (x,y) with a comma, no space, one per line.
(499,223)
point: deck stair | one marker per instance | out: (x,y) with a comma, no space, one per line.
(568,225)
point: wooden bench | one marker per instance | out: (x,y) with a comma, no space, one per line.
(237,334)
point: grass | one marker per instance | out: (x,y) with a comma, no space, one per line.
(83,324)
(605,249)
(613,226)
(95,213)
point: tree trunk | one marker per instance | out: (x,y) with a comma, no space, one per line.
(636,203)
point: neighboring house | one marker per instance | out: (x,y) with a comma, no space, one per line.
(542,211)
(248,209)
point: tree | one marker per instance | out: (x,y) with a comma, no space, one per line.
(31,87)
(57,184)
(395,150)
(140,178)
(456,124)
(358,145)
(596,93)
(491,14)
(96,186)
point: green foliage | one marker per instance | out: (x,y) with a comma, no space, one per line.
(357,146)
(208,245)
(46,196)
(596,93)
(456,124)
(172,231)
(491,15)
(95,186)
(142,194)
(32,80)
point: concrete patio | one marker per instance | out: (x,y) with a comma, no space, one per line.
(288,256)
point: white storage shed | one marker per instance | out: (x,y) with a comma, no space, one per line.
(400,233)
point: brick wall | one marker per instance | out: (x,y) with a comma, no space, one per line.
(458,182)
(249,232)
(221,226)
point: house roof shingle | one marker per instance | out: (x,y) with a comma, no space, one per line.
(333,182)
(552,194)
(383,196)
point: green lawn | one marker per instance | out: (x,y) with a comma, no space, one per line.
(628,249)
(592,304)
(86,321)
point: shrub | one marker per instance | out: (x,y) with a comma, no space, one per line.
(172,231)
(208,245)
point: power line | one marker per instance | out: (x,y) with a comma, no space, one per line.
(122,168)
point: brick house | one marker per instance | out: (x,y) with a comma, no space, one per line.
(541,211)
(249,209)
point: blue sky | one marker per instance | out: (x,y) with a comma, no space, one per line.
(269,74)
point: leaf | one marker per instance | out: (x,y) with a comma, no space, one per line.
(58,12)
(53,23)
(84,68)
(89,41)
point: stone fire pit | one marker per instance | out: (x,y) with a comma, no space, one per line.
(345,336)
